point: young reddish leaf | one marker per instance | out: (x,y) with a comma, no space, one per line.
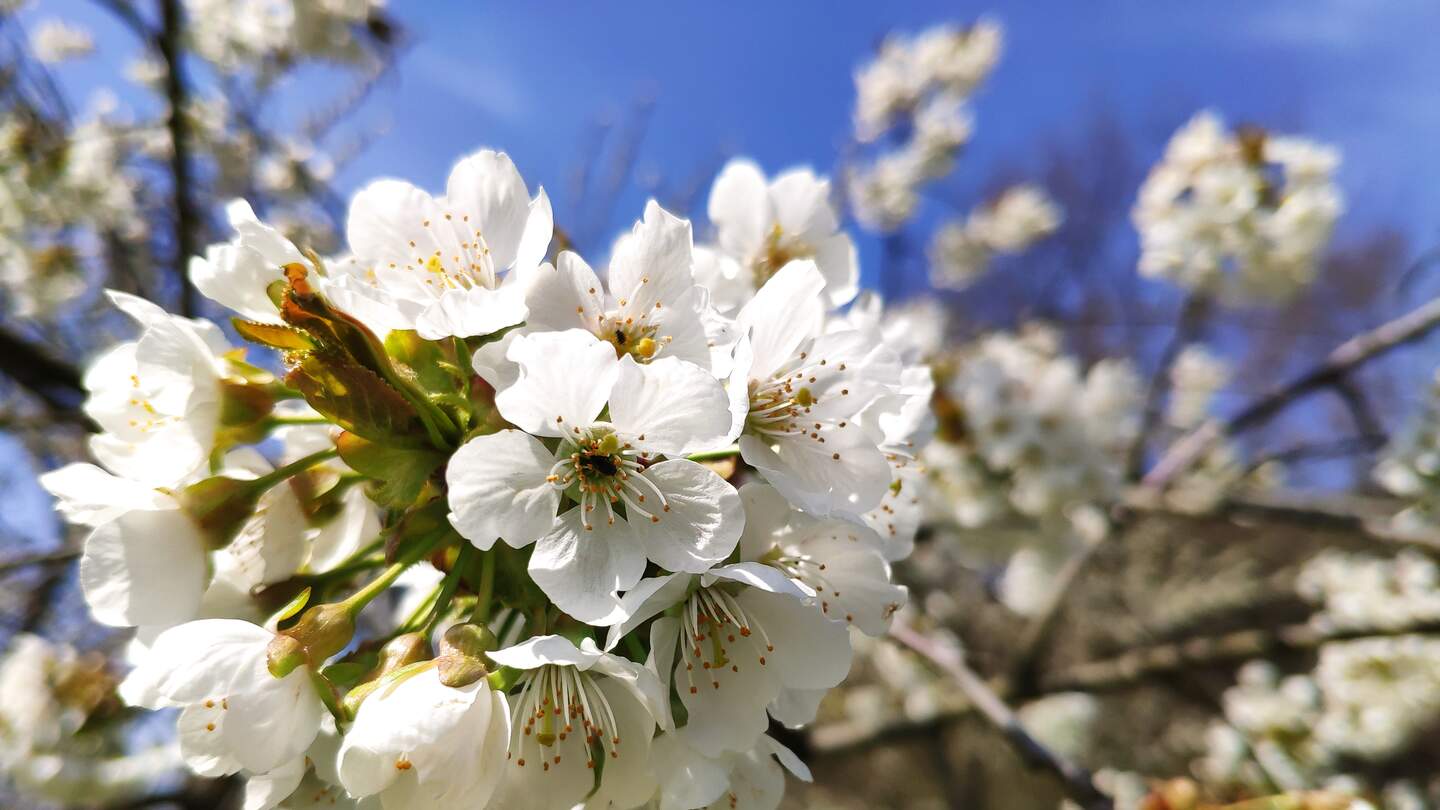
(275,336)
(401,471)
(356,399)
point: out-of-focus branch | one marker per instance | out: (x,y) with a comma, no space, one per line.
(1241,645)
(43,559)
(55,382)
(1344,359)
(187,218)
(1079,785)
(1193,314)
(1036,634)
(1308,451)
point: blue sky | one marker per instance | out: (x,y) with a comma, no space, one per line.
(773,80)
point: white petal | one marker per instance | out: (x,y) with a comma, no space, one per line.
(740,207)
(272,725)
(497,488)
(267,790)
(782,315)
(198,660)
(89,496)
(701,524)
(758,575)
(537,651)
(846,474)
(688,779)
(840,265)
(797,707)
(802,205)
(677,407)
(488,188)
(565,379)
(144,567)
(649,597)
(811,652)
(650,268)
(564,295)
(583,570)
(473,312)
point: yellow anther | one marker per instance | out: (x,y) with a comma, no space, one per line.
(804,397)
(646,347)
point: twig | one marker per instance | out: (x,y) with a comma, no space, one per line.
(1078,783)
(1021,676)
(1306,451)
(44,559)
(1345,358)
(187,219)
(1241,645)
(1193,314)
(56,383)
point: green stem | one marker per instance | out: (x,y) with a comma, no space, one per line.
(326,691)
(448,586)
(487,590)
(284,421)
(716,455)
(358,600)
(294,468)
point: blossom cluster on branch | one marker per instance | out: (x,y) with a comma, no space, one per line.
(653,506)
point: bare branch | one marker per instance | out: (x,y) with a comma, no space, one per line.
(1345,358)
(44,559)
(1078,783)
(187,218)
(1193,314)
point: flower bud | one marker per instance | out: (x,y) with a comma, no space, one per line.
(323,630)
(221,506)
(399,652)
(462,652)
(283,655)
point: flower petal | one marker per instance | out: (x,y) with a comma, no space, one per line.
(583,570)
(669,406)
(144,567)
(565,379)
(702,520)
(498,488)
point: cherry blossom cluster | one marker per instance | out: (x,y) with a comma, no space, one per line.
(962,249)
(913,100)
(240,35)
(54,697)
(1409,467)
(491,528)
(1241,215)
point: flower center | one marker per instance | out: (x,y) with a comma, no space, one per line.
(606,472)
(461,259)
(718,635)
(777,253)
(636,338)
(780,407)
(554,701)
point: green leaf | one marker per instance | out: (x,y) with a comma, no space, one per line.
(401,471)
(357,400)
(292,608)
(275,336)
(423,361)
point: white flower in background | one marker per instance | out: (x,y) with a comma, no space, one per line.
(918,87)
(1195,378)
(1379,694)
(1243,216)
(54,41)
(941,59)
(796,393)
(417,743)
(836,561)
(576,704)
(157,398)
(235,715)
(238,273)
(650,310)
(435,265)
(764,225)
(749,780)
(676,512)
(1409,467)
(749,639)
(1364,592)
(962,250)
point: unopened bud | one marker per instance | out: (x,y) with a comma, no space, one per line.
(220,506)
(283,655)
(462,653)
(323,630)
(350,706)
(401,651)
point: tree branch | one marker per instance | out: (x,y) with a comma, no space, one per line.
(187,217)
(1193,314)
(57,383)
(1345,358)
(1077,782)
